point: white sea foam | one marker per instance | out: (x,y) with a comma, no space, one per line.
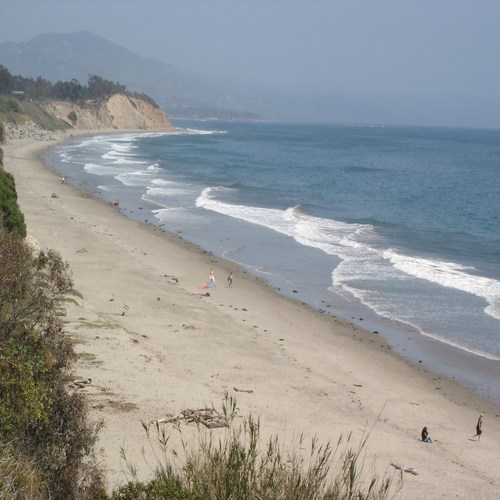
(193,131)
(162,191)
(120,153)
(162,182)
(169,214)
(450,275)
(104,169)
(128,161)
(90,141)
(181,131)
(328,235)
(360,259)
(167,190)
(65,156)
(135,178)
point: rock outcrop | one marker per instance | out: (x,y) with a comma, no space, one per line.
(28,130)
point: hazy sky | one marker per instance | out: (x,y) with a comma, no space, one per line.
(409,61)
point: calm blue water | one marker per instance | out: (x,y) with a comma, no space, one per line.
(398,225)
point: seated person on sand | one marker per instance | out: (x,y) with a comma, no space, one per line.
(425,436)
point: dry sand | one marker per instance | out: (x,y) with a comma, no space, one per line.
(154,345)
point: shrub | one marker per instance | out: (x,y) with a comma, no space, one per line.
(9,105)
(72,117)
(19,477)
(11,217)
(46,422)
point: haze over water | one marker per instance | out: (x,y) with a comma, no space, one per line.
(399,226)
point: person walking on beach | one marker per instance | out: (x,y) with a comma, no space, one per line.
(211,278)
(479,427)
(425,436)
(230,280)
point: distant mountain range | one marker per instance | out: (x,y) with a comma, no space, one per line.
(77,55)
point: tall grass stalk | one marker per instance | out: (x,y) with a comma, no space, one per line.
(234,463)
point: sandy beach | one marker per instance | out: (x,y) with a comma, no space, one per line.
(153,343)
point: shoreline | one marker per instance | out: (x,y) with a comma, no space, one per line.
(309,372)
(473,370)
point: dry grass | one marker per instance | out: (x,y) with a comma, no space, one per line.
(237,464)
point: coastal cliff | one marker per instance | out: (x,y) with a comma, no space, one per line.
(119,111)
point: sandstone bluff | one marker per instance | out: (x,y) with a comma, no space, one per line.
(117,112)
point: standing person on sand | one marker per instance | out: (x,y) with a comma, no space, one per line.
(479,426)
(230,280)
(211,278)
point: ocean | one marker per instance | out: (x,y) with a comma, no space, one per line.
(396,229)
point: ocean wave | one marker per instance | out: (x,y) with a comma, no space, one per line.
(65,156)
(100,169)
(119,153)
(89,142)
(166,188)
(328,235)
(193,131)
(162,182)
(134,178)
(166,191)
(128,161)
(165,215)
(361,260)
(450,275)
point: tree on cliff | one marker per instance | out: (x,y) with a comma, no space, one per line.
(71,91)
(96,88)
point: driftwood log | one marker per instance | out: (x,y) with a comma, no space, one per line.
(209,417)
(410,470)
(80,382)
(250,391)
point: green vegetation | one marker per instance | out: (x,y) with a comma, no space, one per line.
(17,111)
(39,88)
(43,426)
(9,105)
(18,475)
(104,326)
(72,117)
(33,111)
(11,217)
(86,356)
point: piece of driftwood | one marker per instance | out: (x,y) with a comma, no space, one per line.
(80,382)
(410,470)
(209,417)
(250,391)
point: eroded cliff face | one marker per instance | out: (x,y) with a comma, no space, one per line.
(116,112)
